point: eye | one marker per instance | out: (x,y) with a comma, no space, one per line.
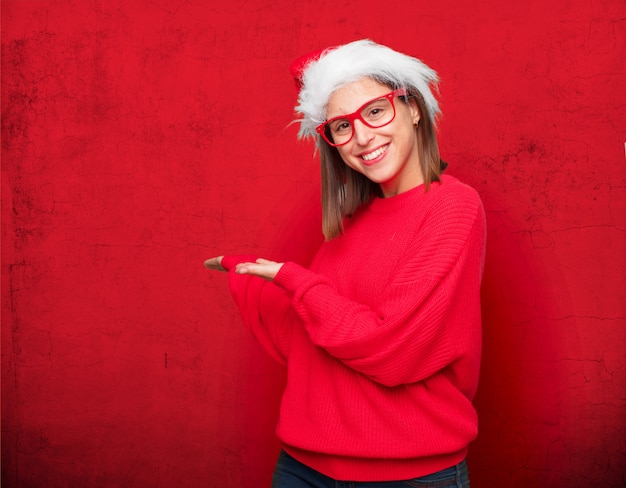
(376,110)
(340,126)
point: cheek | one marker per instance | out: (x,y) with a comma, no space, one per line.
(345,155)
(405,131)
(407,121)
(350,161)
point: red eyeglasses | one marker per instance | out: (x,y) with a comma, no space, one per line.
(375,113)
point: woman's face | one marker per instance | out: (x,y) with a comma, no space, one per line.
(386,155)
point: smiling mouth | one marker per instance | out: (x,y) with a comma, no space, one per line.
(375,154)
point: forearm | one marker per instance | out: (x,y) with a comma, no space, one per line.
(263,306)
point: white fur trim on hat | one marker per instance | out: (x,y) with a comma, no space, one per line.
(351,62)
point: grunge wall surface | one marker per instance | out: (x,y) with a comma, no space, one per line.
(139,138)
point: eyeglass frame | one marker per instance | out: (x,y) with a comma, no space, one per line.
(321,129)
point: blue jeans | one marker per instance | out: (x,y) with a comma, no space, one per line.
(290,473)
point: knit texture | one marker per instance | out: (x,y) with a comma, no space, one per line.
(381,336)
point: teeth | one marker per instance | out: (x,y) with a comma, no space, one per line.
(374,154)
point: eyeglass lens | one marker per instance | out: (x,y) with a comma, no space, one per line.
(376,113)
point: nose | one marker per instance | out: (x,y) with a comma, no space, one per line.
(362,133)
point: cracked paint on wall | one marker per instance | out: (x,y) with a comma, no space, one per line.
(137,140)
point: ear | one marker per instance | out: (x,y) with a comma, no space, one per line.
(415,112)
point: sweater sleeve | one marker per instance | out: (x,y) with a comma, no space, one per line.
(408,338)
(265,308)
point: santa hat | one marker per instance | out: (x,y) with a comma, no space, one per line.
(320,73)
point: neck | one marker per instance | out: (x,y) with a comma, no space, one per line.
(408,182)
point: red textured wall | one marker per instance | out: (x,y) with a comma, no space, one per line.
(139,138)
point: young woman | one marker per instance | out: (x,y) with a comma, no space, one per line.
(381,336)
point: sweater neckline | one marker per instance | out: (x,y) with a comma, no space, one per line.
(399,201)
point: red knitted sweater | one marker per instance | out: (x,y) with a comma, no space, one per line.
(381,337)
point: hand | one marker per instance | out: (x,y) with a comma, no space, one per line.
(214,263)
(262,268)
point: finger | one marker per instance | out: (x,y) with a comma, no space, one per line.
(243,268)
(255,269)
(214,263)
(250,267)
